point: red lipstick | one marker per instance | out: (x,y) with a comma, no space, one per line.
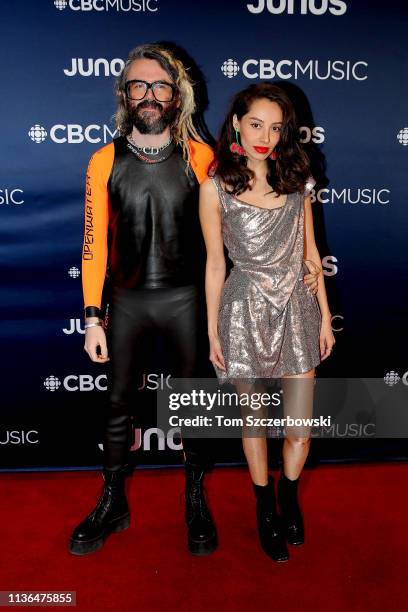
(261,149)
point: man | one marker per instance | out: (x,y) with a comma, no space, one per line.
(141,216)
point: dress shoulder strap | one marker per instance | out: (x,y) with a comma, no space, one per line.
(220,191)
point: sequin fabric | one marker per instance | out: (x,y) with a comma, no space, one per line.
(268,323)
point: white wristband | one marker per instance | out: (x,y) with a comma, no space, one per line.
(93,324)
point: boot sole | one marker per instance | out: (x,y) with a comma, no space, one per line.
(201,549)
(85,548)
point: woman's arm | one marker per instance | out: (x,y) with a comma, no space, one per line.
(326,340)
(210,219)
(312,254)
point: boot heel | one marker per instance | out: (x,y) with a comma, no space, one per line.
(121,524)
(201,549)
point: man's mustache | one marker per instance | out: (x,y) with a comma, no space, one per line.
(149,104)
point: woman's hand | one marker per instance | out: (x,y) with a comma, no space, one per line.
(327,339)
(216,356)
(94,337)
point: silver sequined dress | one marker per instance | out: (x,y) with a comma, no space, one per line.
(268,323)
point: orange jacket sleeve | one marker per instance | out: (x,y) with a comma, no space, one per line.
(95,242)
(201,157)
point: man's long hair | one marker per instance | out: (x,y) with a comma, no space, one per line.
(291,169)
(182,129)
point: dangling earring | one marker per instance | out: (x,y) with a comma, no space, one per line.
(274,155)
(236,146)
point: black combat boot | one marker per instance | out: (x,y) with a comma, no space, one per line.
(202,535)
(111,514)
(291,513)
(270,528)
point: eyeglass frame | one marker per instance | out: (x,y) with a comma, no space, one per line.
(150,86)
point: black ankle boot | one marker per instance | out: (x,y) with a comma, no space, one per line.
(111,514)
(269,524)
(202,535)
(291,514)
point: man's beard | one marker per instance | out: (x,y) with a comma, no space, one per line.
(149,123)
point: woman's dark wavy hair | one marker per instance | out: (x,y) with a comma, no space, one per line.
(291,169)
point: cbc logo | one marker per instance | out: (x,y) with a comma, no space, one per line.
(82,382)
(392,378)
(74,272)
(136,6)
(230,68)
(402,136)
(72,133)
(335,7)
(321,70)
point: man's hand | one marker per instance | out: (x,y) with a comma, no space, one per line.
(95,337)
(311,279)
(311,282)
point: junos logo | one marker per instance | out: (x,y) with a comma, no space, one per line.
(74,326)
(329,265)
(315,7)
(73,133)
(284,69)
(315,134)
(94,67)
(351,196)
(125,6)
(163,439)
(19,437)
(11,196)
(73,382)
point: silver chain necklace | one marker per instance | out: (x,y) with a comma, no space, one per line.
(150,150)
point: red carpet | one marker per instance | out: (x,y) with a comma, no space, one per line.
(354,558)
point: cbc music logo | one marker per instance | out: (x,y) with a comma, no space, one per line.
(74,272)
(11,196)
(392,378)
(314,69)
(94,67)
(74,382)
(402,136)
(164,440)
(73,133)
(125,6)
(303,7)
(355,195)
(19,437)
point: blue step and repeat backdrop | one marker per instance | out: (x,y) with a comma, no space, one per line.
(343,62)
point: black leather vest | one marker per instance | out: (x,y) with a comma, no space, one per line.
(155,239)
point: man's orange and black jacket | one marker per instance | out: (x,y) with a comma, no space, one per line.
(142,220)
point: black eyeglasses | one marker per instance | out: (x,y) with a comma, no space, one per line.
(162,91)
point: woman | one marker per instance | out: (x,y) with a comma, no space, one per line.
(263,322)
